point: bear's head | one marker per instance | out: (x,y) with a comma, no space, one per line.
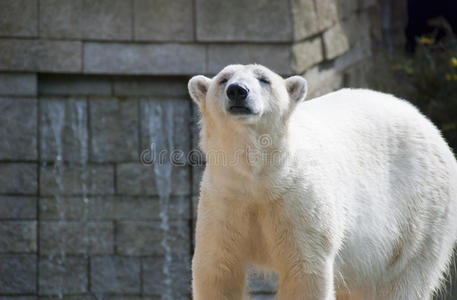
(245,96)
(247,93)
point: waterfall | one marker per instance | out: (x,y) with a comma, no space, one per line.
(66,117)
(160,129)
(79,127)
(56,119)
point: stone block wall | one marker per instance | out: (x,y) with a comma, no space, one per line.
(86,86)
(158,37)
(80,215)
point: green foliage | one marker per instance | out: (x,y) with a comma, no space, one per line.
(435,80)
(429,80)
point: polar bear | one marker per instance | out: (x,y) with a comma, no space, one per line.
(350,194)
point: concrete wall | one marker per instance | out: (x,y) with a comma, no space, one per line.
(80,216)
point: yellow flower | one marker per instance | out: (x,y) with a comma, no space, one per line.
(409,71)
(426,41)
(454,62)
(448,77)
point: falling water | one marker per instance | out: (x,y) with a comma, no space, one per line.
(75,113)
(56,115)
(160,128)
(56,119)
(79,127)
(78,123)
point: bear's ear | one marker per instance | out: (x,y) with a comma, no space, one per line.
(198,87)
(296,87)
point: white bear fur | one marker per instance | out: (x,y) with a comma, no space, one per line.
(361,204)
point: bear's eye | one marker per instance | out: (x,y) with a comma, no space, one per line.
(223,81)
(264,80)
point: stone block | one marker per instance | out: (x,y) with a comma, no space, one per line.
(165,124)
(18,18)
(336,42)
(137,179)
(18,236)
(74,85)
(18,207)
(18,178)
(114,274)
(151,86)
(114,128)
(80,19)
(323,79)
(18,84)
(40,55)
(305,18)
(63,132)
(155,278)
(62,275)
(162,20)
(76,238)
(147,238)
(85,180)
(306,54)
(275,56)
(58,56)
(18,129)
(111,208)
(327,13)
(248,21)
(18,273)
(153,59)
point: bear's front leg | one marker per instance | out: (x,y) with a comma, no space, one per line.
(300,284)
(306,246)
(219,262)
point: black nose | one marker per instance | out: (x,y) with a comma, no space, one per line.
(237,92)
